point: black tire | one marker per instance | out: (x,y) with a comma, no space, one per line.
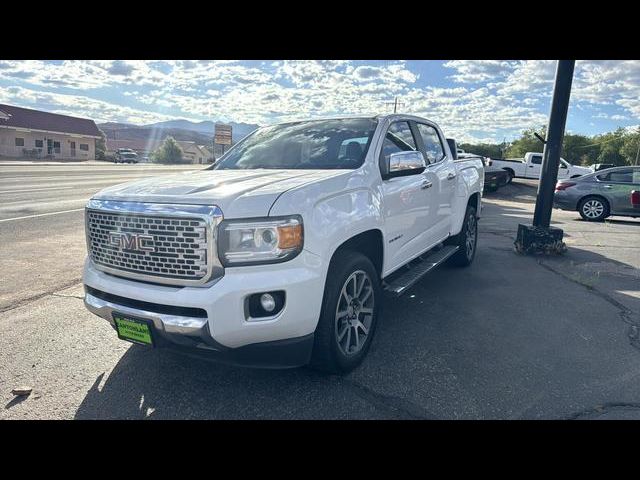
(328,355)
(593,209)
(509,178)
(504,180)
(464,256)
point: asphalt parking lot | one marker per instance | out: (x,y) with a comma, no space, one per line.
(511,337)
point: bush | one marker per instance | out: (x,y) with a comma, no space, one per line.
(169,152)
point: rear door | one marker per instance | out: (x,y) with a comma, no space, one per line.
(616,186)
(441,173)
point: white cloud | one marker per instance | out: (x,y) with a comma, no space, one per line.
(484,99)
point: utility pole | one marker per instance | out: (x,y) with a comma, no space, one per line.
(395,104)
(541,237)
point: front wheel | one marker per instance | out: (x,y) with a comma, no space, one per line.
(349,314)
(466,240)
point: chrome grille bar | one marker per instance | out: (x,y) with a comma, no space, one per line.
(161,243)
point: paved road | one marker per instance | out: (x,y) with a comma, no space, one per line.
(41,217)
(509,337)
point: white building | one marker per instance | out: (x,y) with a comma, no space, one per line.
(26,133)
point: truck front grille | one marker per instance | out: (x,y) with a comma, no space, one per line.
(165,248)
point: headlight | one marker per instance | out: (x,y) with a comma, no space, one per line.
(258,241)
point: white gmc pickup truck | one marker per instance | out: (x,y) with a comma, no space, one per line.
(279,255)
(531,167)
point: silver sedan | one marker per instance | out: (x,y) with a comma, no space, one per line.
(601,194)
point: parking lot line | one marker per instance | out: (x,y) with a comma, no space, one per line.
(41,215)
(35,190)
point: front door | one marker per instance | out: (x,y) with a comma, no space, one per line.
(534,169)
(616,187)
(406,202)
(72,146)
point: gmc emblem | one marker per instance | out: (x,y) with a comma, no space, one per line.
(132,241)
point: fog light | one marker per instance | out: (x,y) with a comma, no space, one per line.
(264,305)
(267,302)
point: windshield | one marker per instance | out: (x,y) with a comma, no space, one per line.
(318,144)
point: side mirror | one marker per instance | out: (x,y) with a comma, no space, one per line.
(453,146)
(405,163)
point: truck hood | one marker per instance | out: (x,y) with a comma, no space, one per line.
(239,193)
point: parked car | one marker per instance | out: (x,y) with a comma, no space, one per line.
(126,155)
(279,254)
(601,194)
(531,167)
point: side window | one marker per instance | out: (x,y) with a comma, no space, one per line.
(432,145)
(636,175)
(537,160)
(621,176)
(398,139)
(353,148)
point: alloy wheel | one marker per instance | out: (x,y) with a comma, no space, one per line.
(354,313)
(593,208)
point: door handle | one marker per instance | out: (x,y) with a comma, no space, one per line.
(451,176)
(608,186)
(426,184)
(530,166)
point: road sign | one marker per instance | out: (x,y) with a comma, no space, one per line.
(222,134)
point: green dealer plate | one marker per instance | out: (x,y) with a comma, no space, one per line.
(133,329)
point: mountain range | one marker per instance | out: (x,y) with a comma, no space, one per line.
(180,129)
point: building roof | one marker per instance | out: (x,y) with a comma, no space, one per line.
(11,116)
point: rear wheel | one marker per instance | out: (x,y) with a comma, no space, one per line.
(466,240)
(349,314)
(509,178)
(593,209)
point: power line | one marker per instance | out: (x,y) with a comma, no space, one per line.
(395,104)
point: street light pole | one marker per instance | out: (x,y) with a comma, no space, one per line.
(541,237)
(553,144)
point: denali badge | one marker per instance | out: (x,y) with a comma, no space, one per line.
(132,241)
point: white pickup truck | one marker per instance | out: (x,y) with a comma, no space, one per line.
(531,167)
(279,255)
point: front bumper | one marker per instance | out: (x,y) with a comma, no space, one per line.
(190,336)
(212,320)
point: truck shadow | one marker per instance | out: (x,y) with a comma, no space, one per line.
(148,383)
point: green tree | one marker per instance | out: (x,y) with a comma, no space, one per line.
(484,149)
(630,150)
(579,149)
(169,152)
(610,146)
(527,143)
(101,146)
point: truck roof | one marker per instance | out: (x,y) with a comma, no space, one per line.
(344,117)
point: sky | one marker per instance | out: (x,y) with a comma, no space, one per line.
(471,100)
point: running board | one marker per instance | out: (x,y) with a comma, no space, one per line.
(398,282)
